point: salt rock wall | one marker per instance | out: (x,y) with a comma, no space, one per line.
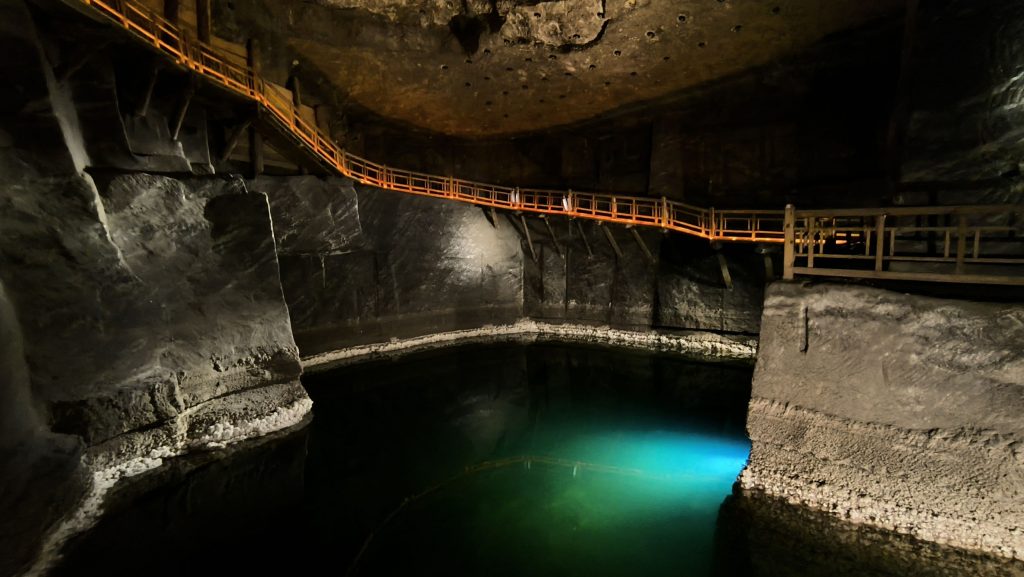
(897,411)
(146,311)
(682,289)
(970,129)
(154,301)
(362,265)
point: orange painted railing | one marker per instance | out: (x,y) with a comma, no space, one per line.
(873,246)
(202,58)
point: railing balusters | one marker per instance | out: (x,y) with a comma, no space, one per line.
(841,226)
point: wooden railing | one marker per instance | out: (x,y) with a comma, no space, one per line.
(872,243)
(202,58)
(969,244)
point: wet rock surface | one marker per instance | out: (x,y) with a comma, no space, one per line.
(895,411)
(761,536)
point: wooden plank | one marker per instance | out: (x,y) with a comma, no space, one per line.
(183,108)
(611,241)
(583,236)
(526,234)
(811,243)
(724,267)
(234,139)
(643,245)
(879,241)
(938,259)
(789,250)
(914,276)
(911,211)
(961,243)
(554,239)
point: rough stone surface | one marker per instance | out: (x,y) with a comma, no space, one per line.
(150,319)
(896,411)
(510,67)
(362,265)
(152,313)
(760,536)
(966,130)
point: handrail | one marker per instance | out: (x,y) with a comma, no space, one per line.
(805,234)
(202,58)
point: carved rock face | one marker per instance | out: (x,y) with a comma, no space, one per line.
(491,68)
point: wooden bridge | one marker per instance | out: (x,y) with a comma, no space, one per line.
(979,244)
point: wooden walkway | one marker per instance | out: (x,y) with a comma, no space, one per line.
(893,243)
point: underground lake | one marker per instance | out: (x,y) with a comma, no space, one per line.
(540,459)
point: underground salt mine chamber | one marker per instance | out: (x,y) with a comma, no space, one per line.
(577,287)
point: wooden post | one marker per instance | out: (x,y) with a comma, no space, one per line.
(789,246)
(554,239)
(769,267)
(252,57)
(143,108)
(583,235)
(296,91)
(255,151)
(526,233)
(611,240)
(643,245)
(961,243)
(724,266)
(879,241)
(203,21)
(183,109)
(811,231)
(234,139)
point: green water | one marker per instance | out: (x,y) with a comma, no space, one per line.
(462,462)
(651,446)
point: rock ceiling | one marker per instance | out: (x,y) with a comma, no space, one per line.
(482,68)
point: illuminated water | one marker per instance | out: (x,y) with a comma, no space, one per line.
(510,460)
(650,446)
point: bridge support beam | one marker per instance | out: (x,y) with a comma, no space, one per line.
(143,107)
(724,266)
(526,235)
(183,108)
(554,239)
(611,240)
(64,73)
(583,236)
(789,244)
(643,245)
(234,139)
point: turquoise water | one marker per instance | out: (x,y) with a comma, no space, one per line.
(610,463)
(512,460)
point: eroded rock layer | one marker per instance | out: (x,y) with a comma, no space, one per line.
(895,411)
